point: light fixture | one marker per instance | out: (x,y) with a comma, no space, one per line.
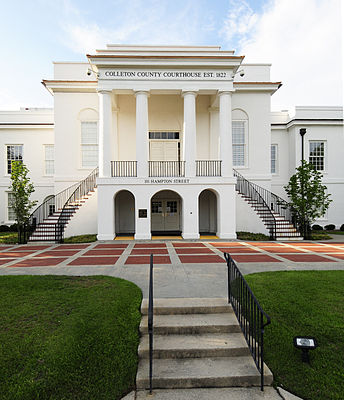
(241,73)
(305,343)
(91,71)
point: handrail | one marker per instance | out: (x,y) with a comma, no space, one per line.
(84,187)
(150,323)
(249,313)
(255,192)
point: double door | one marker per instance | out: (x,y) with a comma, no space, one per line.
(165,215)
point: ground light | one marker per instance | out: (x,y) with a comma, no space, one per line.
(305,343)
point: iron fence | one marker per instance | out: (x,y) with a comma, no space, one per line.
(123,168)
(208,167)
(166,168)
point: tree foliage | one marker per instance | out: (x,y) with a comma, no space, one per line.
(308,197)
(21,189)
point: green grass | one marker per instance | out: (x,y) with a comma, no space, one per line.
(68,337)
(81,239)
(8,237)
(309,303)
(252,236)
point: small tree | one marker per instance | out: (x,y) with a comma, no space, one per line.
(21,189)
(308,198)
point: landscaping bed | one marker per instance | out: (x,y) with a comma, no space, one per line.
(307,303)
(68,337)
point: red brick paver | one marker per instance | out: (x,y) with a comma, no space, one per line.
(148,245)
(15,254)
(57,253)
(149,251)
(254,258)
(305,258)
(146,260)
(336,255)
(199,250)
(71,246)
(6,261)
(183,244)
(104,252)
(39,262)
(94,261)
(26,248)
(111,246)
(201,259)
(234,250)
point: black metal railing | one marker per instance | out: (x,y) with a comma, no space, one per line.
(150,323)
(123,168)
(166,168)
(251,317)
(208,167)
(73,202)
(253,193)
(48,208)
(274,210)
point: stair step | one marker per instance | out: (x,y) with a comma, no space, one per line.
(188,306)
(201,372)
(192,324)
(195,346)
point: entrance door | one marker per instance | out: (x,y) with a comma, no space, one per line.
(165,215)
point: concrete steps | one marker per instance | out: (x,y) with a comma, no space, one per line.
(197,344)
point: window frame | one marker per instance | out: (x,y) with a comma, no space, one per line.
(45,159)
(276,159)
(83,145)
(245,144)
(6,156)
(324,170)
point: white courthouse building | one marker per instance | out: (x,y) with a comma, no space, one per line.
(185,142)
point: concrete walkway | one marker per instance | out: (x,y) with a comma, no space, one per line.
(181,269)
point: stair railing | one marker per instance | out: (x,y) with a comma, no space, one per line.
(250,315)
(82,189)
(150,323)
(257,193)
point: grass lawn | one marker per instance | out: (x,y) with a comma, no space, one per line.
(81,238)
(309,303)
(68,337)
(8,237)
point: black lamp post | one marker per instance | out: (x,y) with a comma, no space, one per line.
(302,133)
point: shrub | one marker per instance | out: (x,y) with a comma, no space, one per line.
(317,227)
(330,227)
(342,227)
(13,228)
(4,228)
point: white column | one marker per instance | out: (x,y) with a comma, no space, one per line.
(105,132)
(225,120)
(190,215)
(189,139)
(105,216)
(142,133)
(226,212)
(214,134)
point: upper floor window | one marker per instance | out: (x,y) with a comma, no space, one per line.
(317,154)
(274,149)
(89,144)
(239,143)
(14,153)
(49,159)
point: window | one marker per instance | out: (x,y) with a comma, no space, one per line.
(317,155)
(274,149)
(14,153)
(164,135)
(89,144)
(49,159)
(238,142)
(10,210)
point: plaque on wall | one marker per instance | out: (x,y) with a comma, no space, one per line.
(143,213)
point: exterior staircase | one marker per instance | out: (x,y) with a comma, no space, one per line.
(198,343)
(50,219)
(272,209)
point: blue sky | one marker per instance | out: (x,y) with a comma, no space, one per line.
(301,38)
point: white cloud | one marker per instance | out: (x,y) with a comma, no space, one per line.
(302,40)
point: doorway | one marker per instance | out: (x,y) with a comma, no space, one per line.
(124,213)
(207,212)
(166,213)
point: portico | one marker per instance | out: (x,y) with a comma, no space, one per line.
(167,116)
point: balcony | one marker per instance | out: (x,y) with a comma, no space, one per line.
(208,168)
(123,168)
(166,168)
(205,168)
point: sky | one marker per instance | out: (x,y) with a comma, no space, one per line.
(302,39)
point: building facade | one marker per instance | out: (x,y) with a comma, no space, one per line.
(167,126)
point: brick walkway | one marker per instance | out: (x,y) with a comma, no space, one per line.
(132,253)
